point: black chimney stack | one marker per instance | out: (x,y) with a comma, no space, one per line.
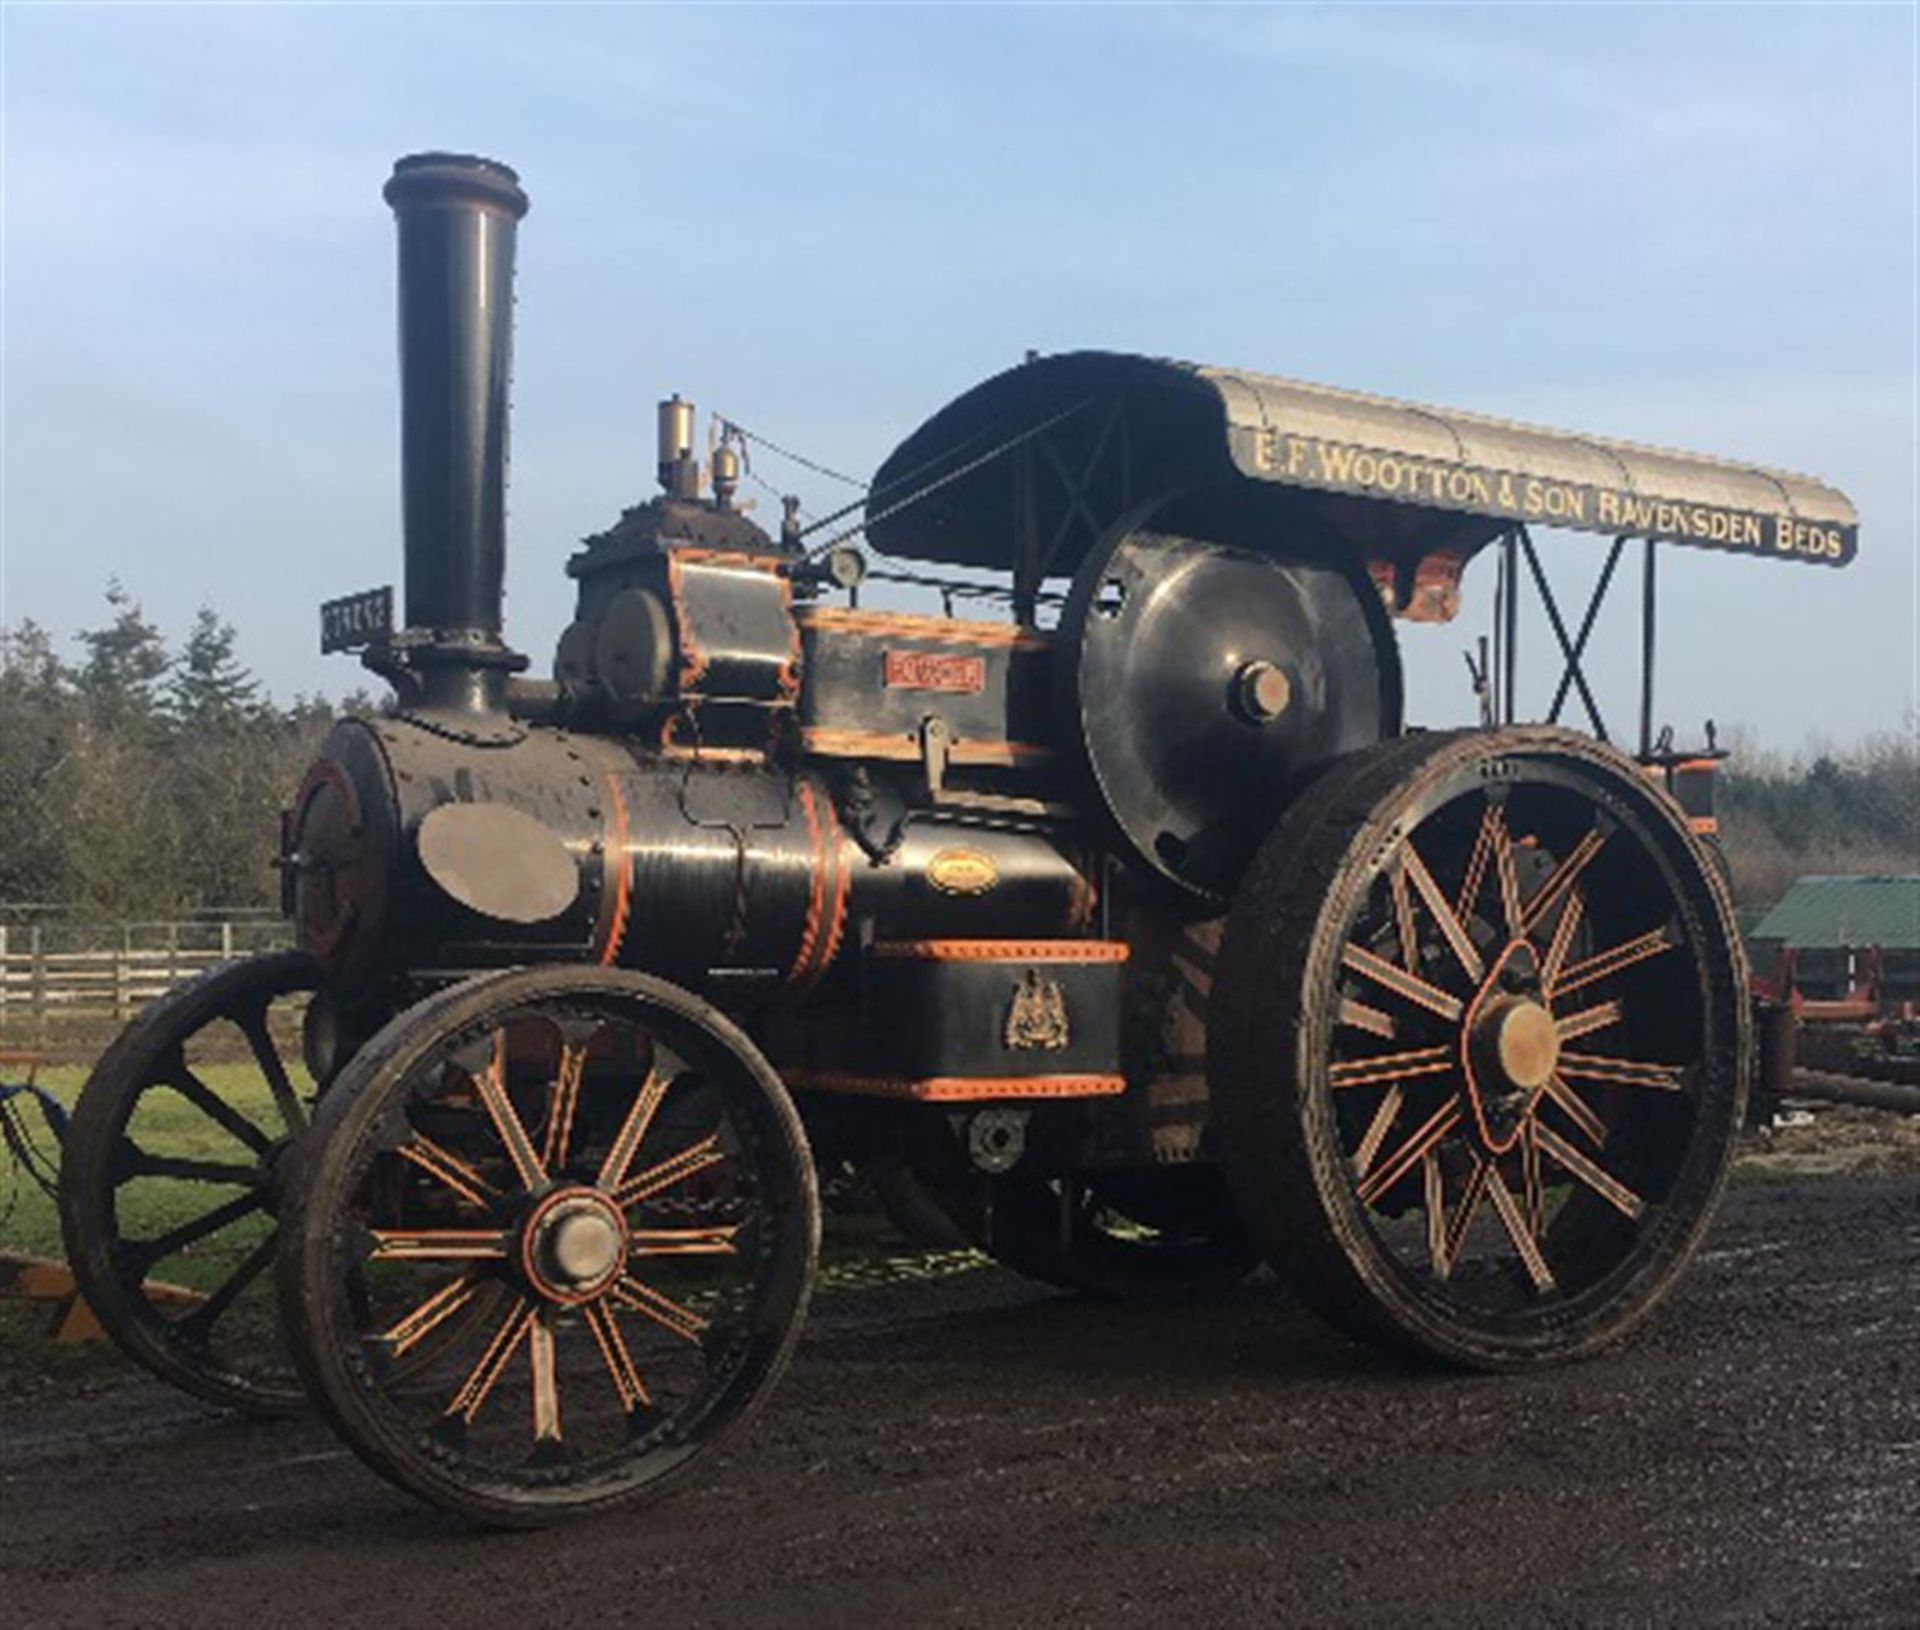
(457,218)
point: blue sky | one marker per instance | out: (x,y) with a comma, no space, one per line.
(1689,224)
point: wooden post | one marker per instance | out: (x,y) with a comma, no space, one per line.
(37,983)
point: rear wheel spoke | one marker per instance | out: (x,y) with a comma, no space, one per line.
(1615,960)
(1403,984)
(1621,1072)
(1561,880)
(1431,1132)
(1377,1130)
(1524,1244)
(1452,930)
(1597,1178)
(1571,1026)
(1577,1110)
(1367,1072)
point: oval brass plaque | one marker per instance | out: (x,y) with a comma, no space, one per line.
(499,861)
(962,871)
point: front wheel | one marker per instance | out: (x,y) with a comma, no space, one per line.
(1480,1045)
(552,1237)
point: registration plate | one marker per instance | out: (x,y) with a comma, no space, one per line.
(356,620)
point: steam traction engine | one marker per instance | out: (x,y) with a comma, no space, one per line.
(1132,932)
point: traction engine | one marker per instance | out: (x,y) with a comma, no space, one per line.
(1126,934)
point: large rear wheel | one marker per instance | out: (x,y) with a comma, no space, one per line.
(1480,1044)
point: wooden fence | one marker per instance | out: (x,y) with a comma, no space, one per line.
(58,975)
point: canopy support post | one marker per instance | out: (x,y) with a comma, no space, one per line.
(1648,597)
(1587,621)
(1510,611)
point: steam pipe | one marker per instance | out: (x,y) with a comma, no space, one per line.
(457,216)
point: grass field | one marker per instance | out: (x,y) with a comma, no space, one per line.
(857,1247)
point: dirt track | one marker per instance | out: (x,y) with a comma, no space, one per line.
(976,1452)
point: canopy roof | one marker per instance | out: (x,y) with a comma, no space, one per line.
(1388,478)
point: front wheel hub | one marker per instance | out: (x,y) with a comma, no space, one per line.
(573,1245)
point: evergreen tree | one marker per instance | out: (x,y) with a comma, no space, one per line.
(119,678)
(209,693)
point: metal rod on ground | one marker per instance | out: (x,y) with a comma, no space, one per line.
(1855,1089)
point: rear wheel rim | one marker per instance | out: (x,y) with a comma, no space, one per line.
(1523,1076)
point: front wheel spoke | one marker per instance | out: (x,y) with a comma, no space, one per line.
(627,1385)
(448,1167)
(546,1382)
(1577,1110)
(626,1142)
(285,1099)
(1366,1072)
(1452,930)
(1377,1130)
(696,1158)
(1621,1072)
(1410,986)
(415,1327)
(142,1255)
(215,1108)
(1524,1244)
(507,1125)
(566,1098)
(1441,1122)
(1563,877)
(663,1310)
(1601,1181)
(683,1241)
(482,1378)
(1612,961)
(438,1244)
(1587,1020)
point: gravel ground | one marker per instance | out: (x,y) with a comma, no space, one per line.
(973,1451)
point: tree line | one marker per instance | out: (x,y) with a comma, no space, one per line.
(142,780)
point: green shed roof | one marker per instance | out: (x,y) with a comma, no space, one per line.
(1825,912)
